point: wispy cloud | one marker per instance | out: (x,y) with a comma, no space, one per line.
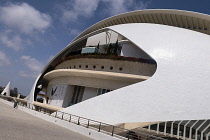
(24,18)
(13,41)
(28,74)
(32,63)
(4,60)
(33,67)
(78,8)
(74,32)
(71,11)
(114,7)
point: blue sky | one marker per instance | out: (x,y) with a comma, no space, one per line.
(33,31)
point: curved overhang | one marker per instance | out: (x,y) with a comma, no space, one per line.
(89,78)
(96,74)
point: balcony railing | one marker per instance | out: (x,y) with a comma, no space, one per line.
(105,56)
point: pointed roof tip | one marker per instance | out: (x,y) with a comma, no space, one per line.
(6,90)
(8,84)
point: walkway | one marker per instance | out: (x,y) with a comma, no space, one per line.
(18,125)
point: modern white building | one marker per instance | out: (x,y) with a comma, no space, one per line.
(152,66)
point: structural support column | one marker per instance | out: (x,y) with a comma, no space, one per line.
(172,128)
(158,125)
(44,100)
(165,127)
(149,127)
(196,131)
(191,129)
(184,134)
(204,131)
(207,136)
(178,128)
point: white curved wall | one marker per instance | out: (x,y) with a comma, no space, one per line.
(179,90)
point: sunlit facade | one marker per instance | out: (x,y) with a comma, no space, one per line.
(144,70)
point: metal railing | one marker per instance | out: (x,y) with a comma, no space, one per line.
(88,123)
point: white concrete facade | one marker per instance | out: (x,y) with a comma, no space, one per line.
(181,78)
(179,88)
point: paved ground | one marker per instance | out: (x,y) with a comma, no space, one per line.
(18,125)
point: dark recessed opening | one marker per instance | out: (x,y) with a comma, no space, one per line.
(79,66)
(86,66)
(111,68)
(94,66)
(120,69)
(102,67)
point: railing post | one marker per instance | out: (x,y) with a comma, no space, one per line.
(78,121)
(62,116)
(129,136)
(56,114)
(113,131)
(99,128)
(88,123)
(70,118)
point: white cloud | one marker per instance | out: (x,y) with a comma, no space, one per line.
(74,32)
(120,6)
(78,8)
(4,60)
(28,75)
(24,17)
(71,11)
(13,41)
(33,64)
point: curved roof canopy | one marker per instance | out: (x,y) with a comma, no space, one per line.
(179,18)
